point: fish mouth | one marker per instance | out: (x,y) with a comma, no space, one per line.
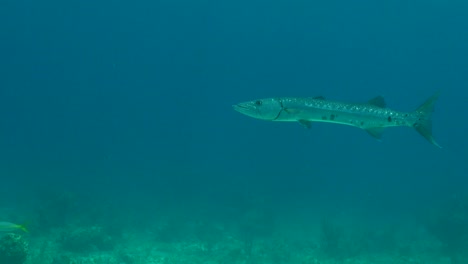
(244,108)
(240,107)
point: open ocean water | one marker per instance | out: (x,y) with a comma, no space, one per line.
(119,144)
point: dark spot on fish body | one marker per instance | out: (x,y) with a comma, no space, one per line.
(332,117)
(324,118)
(362,123)
(389,119)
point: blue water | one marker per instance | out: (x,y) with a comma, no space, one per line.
(127,105)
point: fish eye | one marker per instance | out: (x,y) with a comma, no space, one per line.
(258,102)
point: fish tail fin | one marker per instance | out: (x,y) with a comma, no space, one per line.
(424,123)
(23,228)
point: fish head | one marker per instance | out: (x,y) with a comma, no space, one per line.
(266,109)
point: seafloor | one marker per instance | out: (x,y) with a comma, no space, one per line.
(63,232)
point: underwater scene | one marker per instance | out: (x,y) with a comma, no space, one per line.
(234,132)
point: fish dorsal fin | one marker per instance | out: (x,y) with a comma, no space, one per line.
(318,97)
(375,132)
(378,101)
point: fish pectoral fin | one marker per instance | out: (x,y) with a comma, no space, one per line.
(377,101)
(292,111)
(375,132)
(305,123)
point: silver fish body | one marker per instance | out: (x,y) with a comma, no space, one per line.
(372,116)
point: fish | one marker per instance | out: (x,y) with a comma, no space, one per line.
(11,227)
(372,116)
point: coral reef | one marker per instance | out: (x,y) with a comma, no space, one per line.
(337,242)
(255,235)
(450,227)
(13,249)
(85,239)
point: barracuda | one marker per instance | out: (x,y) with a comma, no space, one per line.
(372,116)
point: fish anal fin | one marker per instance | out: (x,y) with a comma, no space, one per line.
(375,132)
(305,123)
(377,101)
